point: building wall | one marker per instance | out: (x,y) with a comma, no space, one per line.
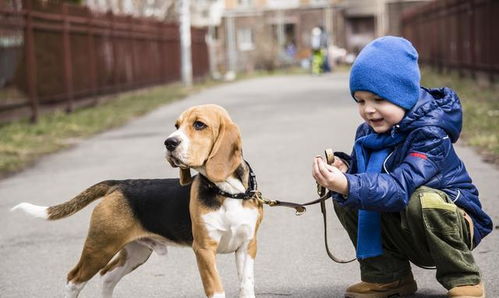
(360,21)
(357,8)
(339,32)
(393,12)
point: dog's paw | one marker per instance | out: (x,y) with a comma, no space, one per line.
(247,293)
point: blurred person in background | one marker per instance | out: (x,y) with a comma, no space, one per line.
(319,46)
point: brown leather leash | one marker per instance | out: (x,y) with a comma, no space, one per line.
(300,208)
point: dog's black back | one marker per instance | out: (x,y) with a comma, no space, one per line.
(162,206)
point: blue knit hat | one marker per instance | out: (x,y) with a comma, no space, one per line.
(388,67)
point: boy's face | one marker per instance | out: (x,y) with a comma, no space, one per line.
(379,113)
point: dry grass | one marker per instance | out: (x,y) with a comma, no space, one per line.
(480,110)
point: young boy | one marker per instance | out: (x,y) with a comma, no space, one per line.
(404,195)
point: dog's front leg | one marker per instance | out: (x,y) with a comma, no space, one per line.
(240,260)
(245,259)
(205,256)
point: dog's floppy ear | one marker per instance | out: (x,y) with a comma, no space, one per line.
(185,176)
(226,154)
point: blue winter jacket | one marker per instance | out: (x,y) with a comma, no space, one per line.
(426,157)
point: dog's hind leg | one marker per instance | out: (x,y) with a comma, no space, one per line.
(95,255)
(130,257)
(111,227)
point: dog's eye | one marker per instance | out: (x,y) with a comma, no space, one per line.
(198,125)
(176,125)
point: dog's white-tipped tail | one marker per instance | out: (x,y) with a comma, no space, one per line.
(33,210)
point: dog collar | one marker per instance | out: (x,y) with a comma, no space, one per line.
(248,194)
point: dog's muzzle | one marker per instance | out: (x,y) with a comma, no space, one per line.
(171,144)
(175,162)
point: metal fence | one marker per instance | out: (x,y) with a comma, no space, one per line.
(459,35)
(70,53)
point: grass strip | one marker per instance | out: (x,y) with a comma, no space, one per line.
(22,143)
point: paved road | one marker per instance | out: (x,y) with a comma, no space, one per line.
(284,121)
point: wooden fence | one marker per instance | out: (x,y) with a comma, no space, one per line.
(70,53)
(457,35)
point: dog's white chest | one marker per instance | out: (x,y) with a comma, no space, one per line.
(232,225)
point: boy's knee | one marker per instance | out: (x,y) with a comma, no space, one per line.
(434,209)
(414,210)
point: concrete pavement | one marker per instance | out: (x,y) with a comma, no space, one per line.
(284,121)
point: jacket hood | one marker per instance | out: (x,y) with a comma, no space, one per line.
(435,107)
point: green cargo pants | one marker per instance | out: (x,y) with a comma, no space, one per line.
(431,231)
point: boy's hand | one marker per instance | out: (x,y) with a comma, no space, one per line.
(330,177)
(338,163)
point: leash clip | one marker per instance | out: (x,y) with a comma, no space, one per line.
(258,195)
(299,210)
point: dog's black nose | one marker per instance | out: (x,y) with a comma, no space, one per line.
(172,143)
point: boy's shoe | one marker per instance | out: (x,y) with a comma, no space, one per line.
(467,291)
(403,287)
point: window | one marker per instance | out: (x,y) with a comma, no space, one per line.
(319,2)
(362,25)
(245,39)
(245,3)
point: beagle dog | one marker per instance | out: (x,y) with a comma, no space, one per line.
(214,211)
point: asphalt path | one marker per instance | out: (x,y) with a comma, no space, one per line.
(285,121)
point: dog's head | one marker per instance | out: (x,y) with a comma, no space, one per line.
(206,140)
